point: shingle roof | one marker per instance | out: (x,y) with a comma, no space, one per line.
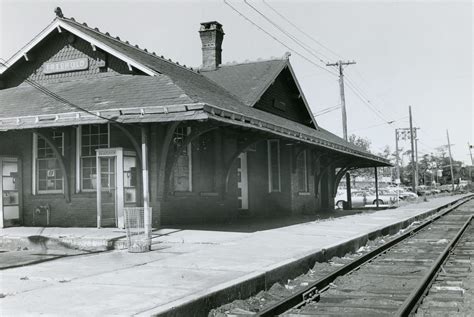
(99,94)
(197,87)
(247,81)
(172,85)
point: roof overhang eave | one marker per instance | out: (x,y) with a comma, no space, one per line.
(233,118)
(182,112)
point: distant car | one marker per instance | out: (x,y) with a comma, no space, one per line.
(403,193)
(362,198)
(435,191)
(445,188)
(423,190)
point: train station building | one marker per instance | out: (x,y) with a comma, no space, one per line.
(91,124)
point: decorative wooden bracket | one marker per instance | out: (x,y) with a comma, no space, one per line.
(318,177)
(61,160)
(244,146)
(132,139)
(164,153)
(341,174)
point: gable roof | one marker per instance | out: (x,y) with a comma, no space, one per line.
(195,94)
(249,81)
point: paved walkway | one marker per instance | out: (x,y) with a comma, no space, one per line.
(187,264)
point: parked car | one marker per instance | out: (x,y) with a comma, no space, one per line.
(361,198)
(435,190)
(423,190)
(445,188)
(403,193)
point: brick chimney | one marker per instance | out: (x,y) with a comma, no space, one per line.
(212,35)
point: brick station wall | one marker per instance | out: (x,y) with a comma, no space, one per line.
(202,205)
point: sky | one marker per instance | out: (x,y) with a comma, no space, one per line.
(417,53)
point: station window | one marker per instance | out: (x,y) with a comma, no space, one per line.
(47,172)
(302,170)
(90,138)
(182,171)
(274,183)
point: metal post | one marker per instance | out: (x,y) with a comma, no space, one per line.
(397,180)
(376,188)
(99,191)
(146,197)
(450,161)
(348,191)
(413,183)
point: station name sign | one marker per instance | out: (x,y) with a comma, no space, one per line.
(66,66)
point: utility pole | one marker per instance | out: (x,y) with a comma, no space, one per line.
(416,163)
(450,161)
(472,162)
(397,180)
(469,146)
(413,182)
(340,64)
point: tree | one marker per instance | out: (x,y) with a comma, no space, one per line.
(363,143)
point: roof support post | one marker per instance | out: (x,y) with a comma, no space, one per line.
(61,160)
(147,213)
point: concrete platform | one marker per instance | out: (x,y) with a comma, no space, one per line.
(190,271)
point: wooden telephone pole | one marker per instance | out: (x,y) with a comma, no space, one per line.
(412,137)
(340,65)
(450,161)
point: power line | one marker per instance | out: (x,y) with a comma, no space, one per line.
(326,110)
(366,100)
(357,91)
(276,39)
(378,125)
(368,104)
(300,30)
(288,34)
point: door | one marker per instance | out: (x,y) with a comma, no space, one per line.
(243,182)
(108,191)
(10,188)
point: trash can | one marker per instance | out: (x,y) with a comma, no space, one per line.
(137,238)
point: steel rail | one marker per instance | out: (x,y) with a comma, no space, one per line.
(313,290)
(416,295)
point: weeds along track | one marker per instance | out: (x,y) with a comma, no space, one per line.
(393,280)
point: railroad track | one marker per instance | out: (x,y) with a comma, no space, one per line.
(394,278)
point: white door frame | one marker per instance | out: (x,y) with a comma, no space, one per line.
(19,188)
(116,153)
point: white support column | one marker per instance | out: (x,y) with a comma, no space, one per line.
(99,192)
(146,196)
